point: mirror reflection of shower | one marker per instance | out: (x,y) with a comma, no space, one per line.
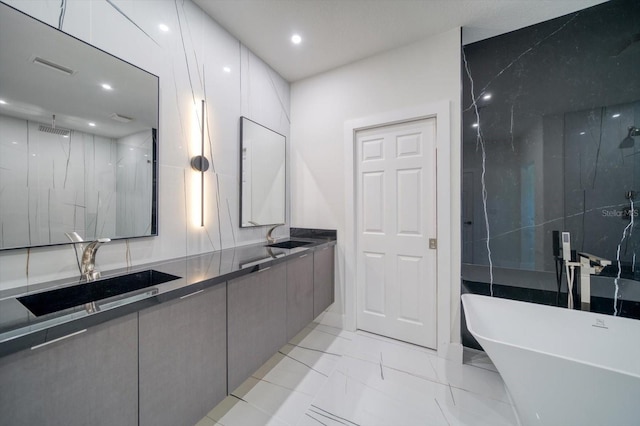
(628,142)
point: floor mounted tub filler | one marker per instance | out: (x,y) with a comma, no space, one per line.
(561,367)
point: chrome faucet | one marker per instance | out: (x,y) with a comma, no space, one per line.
(589,265)
(271,239)
(88,268)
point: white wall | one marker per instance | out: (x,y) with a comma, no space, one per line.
(423,72)
(46,188)
(134,174)
(189,60)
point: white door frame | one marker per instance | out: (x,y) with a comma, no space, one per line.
(439,110)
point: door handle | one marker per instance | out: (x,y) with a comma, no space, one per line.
(33,348)
(191,294)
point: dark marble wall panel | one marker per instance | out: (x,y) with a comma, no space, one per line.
(550,141)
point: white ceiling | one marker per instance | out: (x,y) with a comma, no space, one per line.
(36,93)
(337,32)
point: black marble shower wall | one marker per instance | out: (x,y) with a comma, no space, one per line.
(547,145)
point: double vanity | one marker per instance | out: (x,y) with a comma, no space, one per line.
(180,336)
(156,344)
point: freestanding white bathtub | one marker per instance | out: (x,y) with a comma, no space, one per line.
(561,367)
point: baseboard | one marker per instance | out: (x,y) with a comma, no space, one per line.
(332,319)
(452,352)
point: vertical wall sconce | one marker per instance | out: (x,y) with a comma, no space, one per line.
(201,164)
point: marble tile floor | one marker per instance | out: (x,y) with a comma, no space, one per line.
(328,376)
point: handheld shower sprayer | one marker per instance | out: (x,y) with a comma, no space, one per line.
(569,265)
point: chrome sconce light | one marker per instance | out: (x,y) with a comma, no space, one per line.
(201,164)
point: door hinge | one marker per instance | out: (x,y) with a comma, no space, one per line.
(433,243)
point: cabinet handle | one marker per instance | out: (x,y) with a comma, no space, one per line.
(191,294)
(326,248)
(262,270)
(304,255)
(57,340)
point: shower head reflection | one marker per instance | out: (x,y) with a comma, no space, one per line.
(628,142)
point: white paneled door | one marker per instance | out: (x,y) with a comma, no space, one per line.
(396,217)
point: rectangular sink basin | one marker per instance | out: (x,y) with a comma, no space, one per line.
(289,244)
(68,297)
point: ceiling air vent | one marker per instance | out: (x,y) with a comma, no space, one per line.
(120,118)
(54,130)
(52,66)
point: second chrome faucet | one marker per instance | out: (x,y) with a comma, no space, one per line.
(271,239)
(88,264)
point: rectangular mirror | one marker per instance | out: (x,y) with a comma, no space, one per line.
(262,170)
(78,139)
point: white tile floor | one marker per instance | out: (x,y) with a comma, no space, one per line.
(328,376)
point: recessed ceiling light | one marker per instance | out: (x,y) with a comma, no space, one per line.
(3,102)
(583,133)
(487,96)
(106,86)
(474,125)
(92,124)
(33,155)
(163,27)
(296,39)
(226,69)
(616,115)
(14,143)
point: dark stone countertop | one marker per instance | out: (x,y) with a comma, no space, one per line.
(20,329)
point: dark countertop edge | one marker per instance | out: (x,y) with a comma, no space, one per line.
(29,340)
(330,234)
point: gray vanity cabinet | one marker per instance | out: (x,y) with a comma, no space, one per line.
(90,378)
(323,280)
(299,293)
(183,358)
(257,320)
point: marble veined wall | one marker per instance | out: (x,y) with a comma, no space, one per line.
(195,60)
(46,190)
(551,143)
(133,180)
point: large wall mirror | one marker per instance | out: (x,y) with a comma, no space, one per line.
(262,169)
(78,139)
